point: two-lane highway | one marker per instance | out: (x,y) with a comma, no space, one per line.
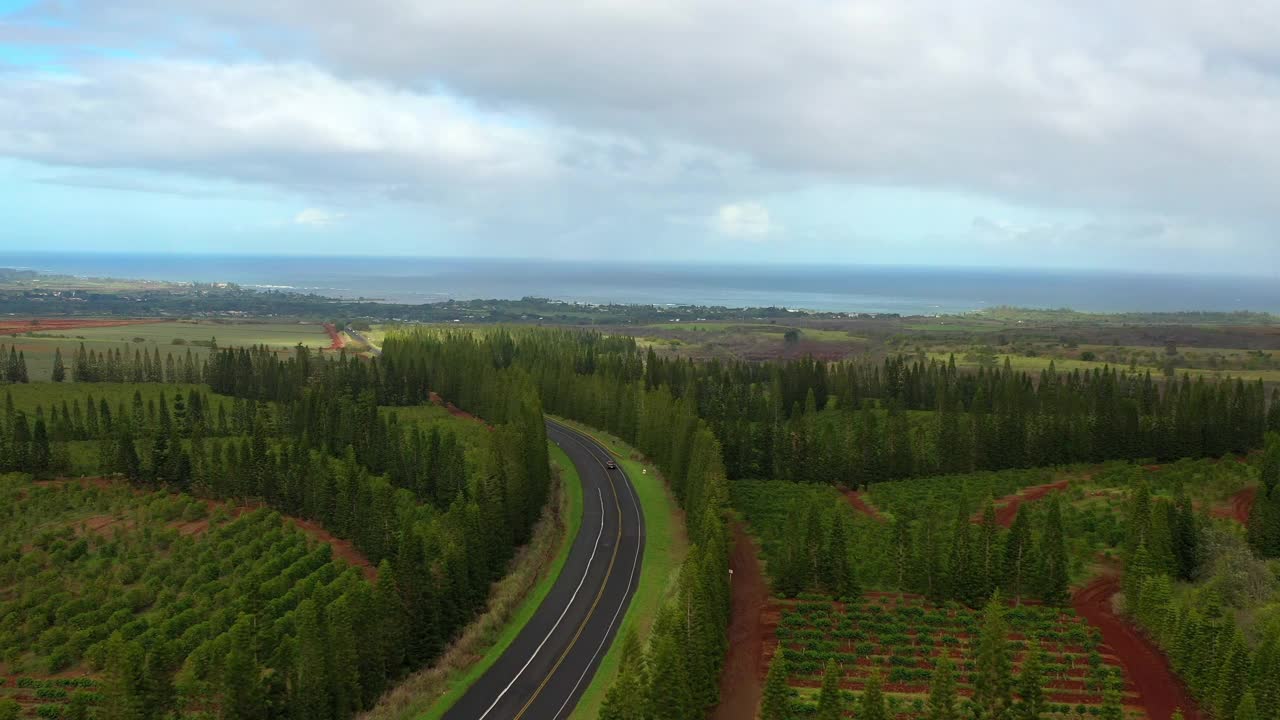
(551,662)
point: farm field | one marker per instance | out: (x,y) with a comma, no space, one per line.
(99,580)
(175,337)
(895,629)
(903,635)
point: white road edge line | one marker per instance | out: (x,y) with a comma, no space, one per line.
(562,614)
(625,599)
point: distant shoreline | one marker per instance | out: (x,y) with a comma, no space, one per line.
(903,291)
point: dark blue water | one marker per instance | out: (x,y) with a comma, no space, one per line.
(905,290)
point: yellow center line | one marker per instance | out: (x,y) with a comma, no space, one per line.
(590,612)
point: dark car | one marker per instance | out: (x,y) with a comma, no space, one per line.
(611,465)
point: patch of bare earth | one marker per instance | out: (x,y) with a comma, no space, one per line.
(744,666)
(1240,506)
(859,501)
(1159,690)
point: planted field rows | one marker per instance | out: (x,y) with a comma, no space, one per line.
(903,635)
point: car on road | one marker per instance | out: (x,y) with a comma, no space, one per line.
(611,465)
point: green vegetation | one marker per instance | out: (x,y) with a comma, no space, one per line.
(430,693)
(903,636)
(111,576)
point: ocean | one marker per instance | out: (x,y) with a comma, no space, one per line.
(870,289)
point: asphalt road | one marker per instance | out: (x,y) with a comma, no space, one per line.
(551,662)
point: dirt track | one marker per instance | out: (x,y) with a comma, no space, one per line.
(1009,510)
(860,503)
(335,339)
(740,686)
(1241,505)
(1159,690)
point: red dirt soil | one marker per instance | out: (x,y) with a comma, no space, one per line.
(1241,505)
(1009,510)
(456,411)
(1159,690)
(11,326)
(341,548)
(745,663)
(335,338)
(860,503)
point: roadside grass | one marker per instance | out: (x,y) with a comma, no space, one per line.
(428,694)
(665,548)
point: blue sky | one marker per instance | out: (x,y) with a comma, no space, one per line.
(1036,134)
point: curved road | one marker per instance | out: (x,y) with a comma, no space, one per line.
(551,662)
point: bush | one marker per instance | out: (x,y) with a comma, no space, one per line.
(9,710)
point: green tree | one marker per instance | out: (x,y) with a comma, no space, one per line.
(1031,701)
(776,703)
(9,709)
(1054,573)
(942,691)
(1233,676)
(872,704)
(830,704)
(59,370)
(992,677)
(625,699)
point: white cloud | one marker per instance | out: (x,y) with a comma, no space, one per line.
(293,125)
(1165,113)
(747,221)
(317,218)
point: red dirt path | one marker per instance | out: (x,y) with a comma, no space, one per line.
(10,326)
(1241,505)
(860,503)
(1009,510)
(341,548)
(745,663)
(1159,690)
(456,411)
(335,339)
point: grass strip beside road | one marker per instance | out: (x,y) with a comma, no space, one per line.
(665,548)
(430,693)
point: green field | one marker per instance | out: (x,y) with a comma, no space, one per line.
(175,337)
(664,550)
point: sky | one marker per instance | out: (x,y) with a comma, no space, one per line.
(1142,136)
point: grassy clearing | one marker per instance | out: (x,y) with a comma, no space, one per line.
(665,548)
(168,337)
(427,695)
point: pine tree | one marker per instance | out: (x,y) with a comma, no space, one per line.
(1017,556)
(1054,573)
(776,702)
(830,704)
(669,695)
(992,677)
(942,691)
(59,370)
(241,697)
(1031,700)
(625,699)
(1233,676)
(872,704)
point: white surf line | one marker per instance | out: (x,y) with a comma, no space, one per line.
(559,619)
(631,579)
